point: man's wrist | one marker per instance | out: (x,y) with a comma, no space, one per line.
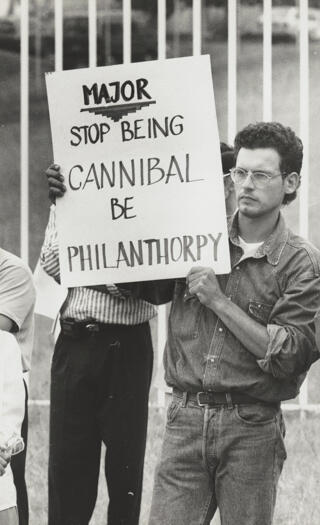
(218,303)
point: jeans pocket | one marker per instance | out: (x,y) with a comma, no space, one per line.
(256,414)
(172,411)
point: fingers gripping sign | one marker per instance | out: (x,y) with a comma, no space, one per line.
(203,283)
(55,182)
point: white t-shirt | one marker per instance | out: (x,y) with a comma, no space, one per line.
(249,248)
(17,298)
(12,399)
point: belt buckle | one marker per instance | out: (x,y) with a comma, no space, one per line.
(92,327)
(198,399)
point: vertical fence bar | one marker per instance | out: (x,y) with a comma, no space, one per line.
(304,115)
(232,69)
(107,34)
(176,28)
(92,21)
(162,29)
(58,35)
(126,13)
(162,317)
(24,130)
(304,134)
(196,27)
(267,60)
(37,45)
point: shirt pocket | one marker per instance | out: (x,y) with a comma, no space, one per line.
(260,311)
(256,414)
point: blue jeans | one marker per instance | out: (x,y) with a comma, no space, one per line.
(223,457)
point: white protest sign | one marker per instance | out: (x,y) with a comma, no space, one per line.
(139,149)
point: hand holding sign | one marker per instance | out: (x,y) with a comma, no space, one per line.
(55,182)
(203,283)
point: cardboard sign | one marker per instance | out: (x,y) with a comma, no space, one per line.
(139,149)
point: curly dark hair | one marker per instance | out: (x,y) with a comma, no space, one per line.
(227,157)
(273,135)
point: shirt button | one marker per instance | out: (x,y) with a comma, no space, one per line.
(220,329)
(237,267)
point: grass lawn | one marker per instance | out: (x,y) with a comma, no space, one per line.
(298,501)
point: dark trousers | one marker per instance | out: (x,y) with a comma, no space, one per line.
(18,466)
(99,392)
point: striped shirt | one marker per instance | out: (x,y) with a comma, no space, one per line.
(84,303)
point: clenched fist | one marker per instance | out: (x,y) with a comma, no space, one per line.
(203,283)
(55,182)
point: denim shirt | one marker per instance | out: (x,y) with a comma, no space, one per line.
(279,287)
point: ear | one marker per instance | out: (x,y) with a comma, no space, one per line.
(291,182)
(228,185)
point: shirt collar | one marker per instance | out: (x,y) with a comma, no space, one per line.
(271,248)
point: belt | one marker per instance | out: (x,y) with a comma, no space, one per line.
(218,398)
(76,329)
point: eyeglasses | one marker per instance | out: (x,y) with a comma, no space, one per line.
(259,178)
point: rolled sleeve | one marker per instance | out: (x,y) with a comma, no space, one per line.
(277,337)
(291,330)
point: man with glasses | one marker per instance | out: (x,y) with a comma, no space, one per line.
(238,345)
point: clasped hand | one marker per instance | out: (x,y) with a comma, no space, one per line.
(202,282)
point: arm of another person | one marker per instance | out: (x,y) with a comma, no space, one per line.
(12,390)
(6,323)
(12,395)
(49,255)
(17,296)
(286,346)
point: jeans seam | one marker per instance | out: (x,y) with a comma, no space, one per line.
(204,438)
(274,488)
(204,517)
(279,436)
(205,463)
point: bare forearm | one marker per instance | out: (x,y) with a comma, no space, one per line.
(251,334)
(202,282)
